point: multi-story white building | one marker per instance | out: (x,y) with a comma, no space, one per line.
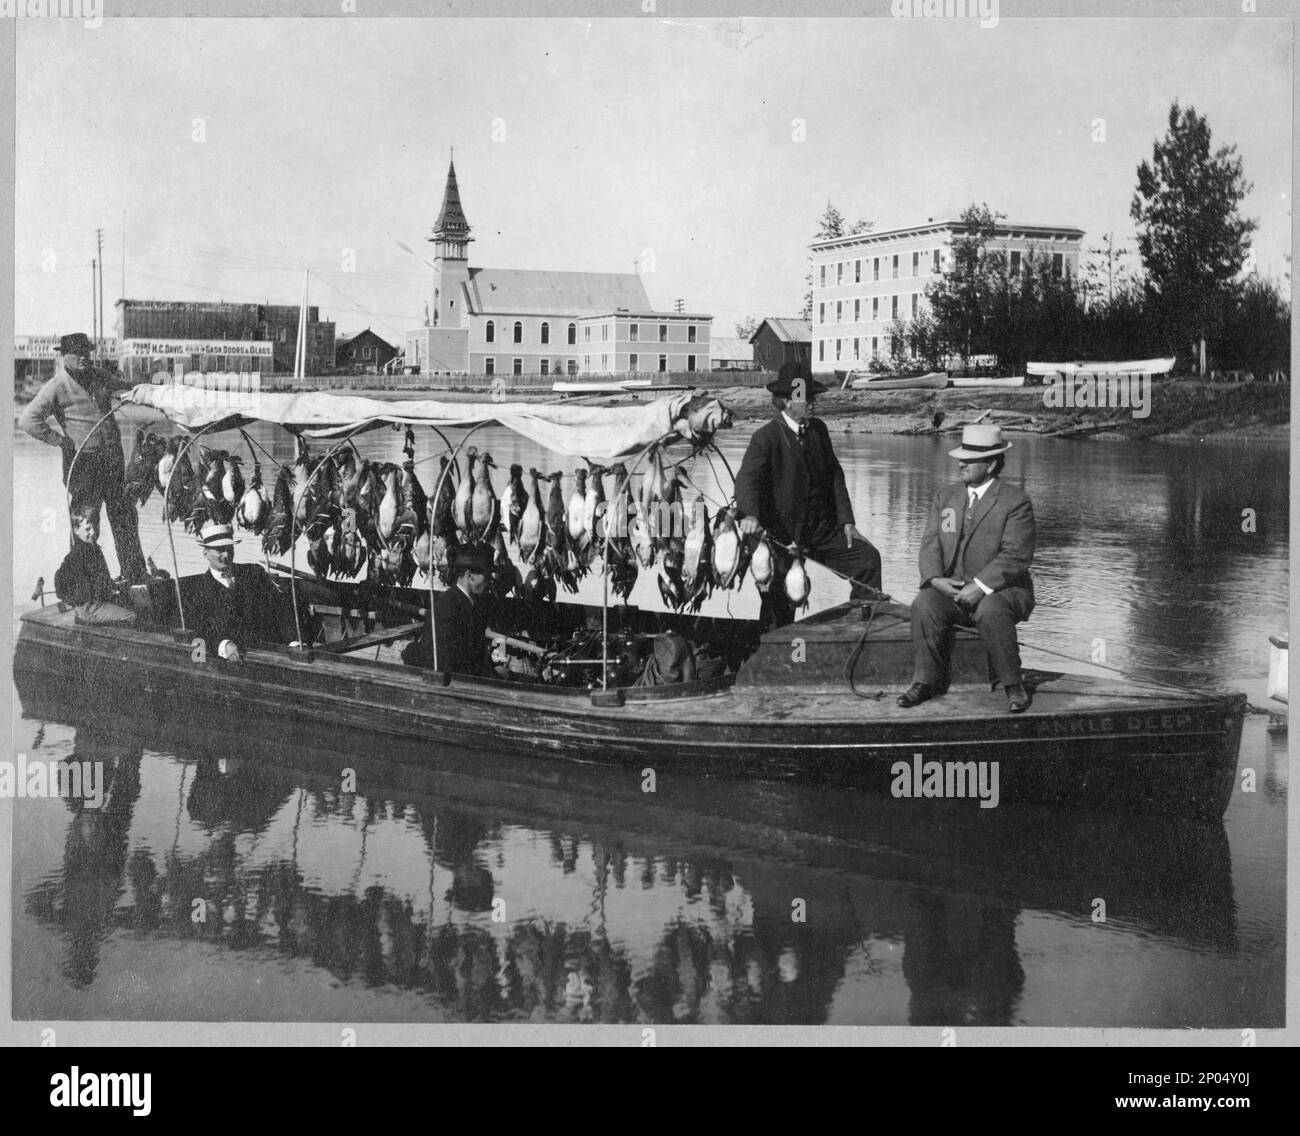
(861,284)
(506,321)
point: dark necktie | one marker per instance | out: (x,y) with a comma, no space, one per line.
(803,434)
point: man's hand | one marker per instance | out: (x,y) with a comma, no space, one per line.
(749,526)
(946,586)
(970,595)
(851,534)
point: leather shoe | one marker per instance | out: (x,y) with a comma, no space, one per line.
(1018,699)
(915,694)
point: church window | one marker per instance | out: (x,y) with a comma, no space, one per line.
(546,332)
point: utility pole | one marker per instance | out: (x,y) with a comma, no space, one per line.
(679,305)
(99,244)
(94,332)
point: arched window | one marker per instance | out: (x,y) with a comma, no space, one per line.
(546,332)
(573,333)
(519,332)
(490,331)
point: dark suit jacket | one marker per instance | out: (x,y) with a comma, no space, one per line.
(775,482)
(462,646)
(83,576)
(998,545)
(252,610)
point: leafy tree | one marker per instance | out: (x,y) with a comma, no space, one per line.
(830,226)
(923,340)
(1191,239)
(746,327)
(1257,330)
(960,298)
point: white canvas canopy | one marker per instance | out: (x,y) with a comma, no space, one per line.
(597,432)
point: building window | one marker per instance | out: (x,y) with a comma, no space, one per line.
(838,342)
(604,363)
(489,366)
(663,333)
(1015,263)
(839,273)
(821,350)
(604,332)
(573,334)
(586,362)
(895,266)
(634,332)
(936,261)
(1058,262)
(546,366)
(916,264)
(857,272)
(663,362)
(573,364)
(821,279)
(631,363)
(586,334)
(916,299)
(821,313)
(857,310)
(875,307)
(546,332)
(875,346)
(856,348)
(839,311)
(519,332)
(367,353)
(875,268)
(690,362)
(690,334)
(893,307)
(284,335)
(519,366)
(490,332)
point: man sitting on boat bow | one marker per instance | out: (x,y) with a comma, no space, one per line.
(460,618)
(791,484)
(975,556)
(232,606)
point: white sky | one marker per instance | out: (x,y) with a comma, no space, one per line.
(619,136)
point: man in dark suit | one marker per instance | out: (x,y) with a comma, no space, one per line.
(975,556)
(459,618)
(232,606)
(791,484)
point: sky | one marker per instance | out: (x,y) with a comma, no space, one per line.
(238,153)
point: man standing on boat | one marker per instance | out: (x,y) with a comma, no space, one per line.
(77,398)
(791,484)
(975,556)
(460,618)
(232,606)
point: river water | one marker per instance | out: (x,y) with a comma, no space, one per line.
(490,891)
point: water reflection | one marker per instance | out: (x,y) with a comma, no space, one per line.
(511,900)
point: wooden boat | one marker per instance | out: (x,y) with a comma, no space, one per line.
(811,701)
(1086,742)
(566,387)
(991,381)
(933,380)
(1123,367)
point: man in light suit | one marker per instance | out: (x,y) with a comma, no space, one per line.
(232,606)
(975,556)
(791,484)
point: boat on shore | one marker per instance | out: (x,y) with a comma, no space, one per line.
(566,387)
(1121,367)
(931,380)
(990,381)
(813,701)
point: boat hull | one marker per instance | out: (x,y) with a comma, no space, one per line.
(1079,747)
(934,381)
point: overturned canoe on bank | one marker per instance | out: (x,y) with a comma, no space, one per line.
(811,702)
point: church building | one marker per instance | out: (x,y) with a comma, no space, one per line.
(506,321)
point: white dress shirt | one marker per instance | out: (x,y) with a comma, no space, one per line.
(976,493)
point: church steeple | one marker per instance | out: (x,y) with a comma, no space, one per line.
(450,255)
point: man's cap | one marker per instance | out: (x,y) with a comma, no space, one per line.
(979,443)
(473,557)
(783,385)
(213,535)
(78,343)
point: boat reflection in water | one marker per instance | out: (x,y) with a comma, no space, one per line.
(568,894)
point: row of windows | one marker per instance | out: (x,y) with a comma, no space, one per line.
(841,306)
(634,362)
(634,330)
(857,348)
(894,265)
(517,366)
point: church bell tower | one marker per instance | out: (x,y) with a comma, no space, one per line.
(450,257)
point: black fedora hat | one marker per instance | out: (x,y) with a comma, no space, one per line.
(473,557)
(783,385)
(78,343)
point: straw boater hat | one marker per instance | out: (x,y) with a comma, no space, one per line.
(213,535)
(783,385)
(979,443)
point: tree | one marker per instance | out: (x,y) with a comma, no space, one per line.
(746,327)
(960,298)
(830,226)
(1191,239)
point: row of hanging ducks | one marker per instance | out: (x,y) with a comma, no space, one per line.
(356,512)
